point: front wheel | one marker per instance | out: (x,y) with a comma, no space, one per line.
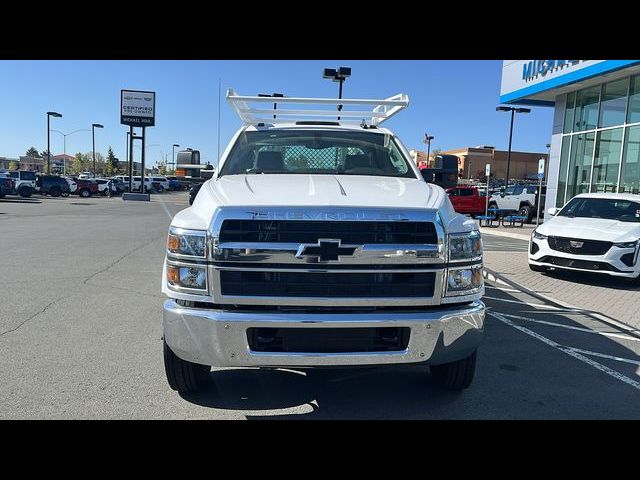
(526,211)
(458,375)
(85,193)
(184,376)
(24,192)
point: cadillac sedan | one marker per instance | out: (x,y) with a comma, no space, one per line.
(594,232)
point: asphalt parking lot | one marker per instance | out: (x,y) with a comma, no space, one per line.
(81,326)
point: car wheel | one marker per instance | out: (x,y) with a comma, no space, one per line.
(160,189)
(458,375)
(538,268)
(183,376)
(65,194)
(85,193)
(493,205)
(104,192)
(526,211)
(55,192)
(24,192)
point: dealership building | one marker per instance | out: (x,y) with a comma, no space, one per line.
(595,142)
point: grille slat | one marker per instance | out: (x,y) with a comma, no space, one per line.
(327,284)
(353,233)
(589,247)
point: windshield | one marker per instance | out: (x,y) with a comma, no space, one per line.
(606,208)
(318,152)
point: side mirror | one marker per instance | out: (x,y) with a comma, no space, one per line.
(553,211)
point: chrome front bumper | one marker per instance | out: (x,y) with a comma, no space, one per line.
(219,337)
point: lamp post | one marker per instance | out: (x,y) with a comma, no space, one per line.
(64,140)
(93,151)
(49,115)
(427,140)
(337,75)
(513,111)
(173,156)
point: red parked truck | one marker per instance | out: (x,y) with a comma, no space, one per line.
(467,200)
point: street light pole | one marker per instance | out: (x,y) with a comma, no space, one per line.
(427,140)
(64,140)
(93,136)
(49,115)
(173,156)
(513,111)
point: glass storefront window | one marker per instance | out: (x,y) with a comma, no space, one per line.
(607,161)
(586,113)
(613,103)
(562,172)
(568,113)
(630,175)
(580,160)
(633,115)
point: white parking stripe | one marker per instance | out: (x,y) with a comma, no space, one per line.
(568,351)
(511,290)
(603,355)
(571,327)
(537,305)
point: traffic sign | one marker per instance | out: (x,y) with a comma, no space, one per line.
(487,170)
(541,168)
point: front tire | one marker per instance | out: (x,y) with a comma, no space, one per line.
(456,376)
(24,192)
(526,211)
(85,193)
(184,376)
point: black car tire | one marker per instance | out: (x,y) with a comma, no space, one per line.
(104,192)
(184,376)
(84,193)
(55,191)
(25,192)
(456,376)
(65,194)
(538,268)
(526,211)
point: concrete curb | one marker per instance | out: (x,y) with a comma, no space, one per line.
(499,278)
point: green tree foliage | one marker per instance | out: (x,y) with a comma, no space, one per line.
(13,165)
(32,152)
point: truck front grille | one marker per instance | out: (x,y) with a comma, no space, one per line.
(327,284)
(328,340)
(351,233)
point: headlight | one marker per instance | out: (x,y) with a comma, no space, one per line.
(465,246)
(464,281)
(187,277)
(626,244)
(539,236)
(187,243)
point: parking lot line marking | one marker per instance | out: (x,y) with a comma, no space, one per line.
(568,351)
(537,305)
(164,205)
(511,290)
(571,327)
(603,355)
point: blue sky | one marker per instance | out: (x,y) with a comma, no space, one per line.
(452,100)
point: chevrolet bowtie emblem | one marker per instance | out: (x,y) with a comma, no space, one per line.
(575,244)
(325,250)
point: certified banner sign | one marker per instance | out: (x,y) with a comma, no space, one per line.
(137,108)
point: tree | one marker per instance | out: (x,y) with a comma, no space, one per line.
(81,164)
(434,154)
(13,165)
(32,152)
(112,163)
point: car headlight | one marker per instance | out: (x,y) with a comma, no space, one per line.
(539,236)
(187,243)
(189,277)
(464,281)
(633,244)
(465,246)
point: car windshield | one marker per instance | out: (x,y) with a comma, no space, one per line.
(606,208)
(333,152)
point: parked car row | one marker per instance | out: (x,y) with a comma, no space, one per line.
(25,183)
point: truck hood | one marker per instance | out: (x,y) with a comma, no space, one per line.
(591,229)
(325,190)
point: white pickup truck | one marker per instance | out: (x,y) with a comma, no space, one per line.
(317,243)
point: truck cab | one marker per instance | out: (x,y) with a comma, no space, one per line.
(317,243)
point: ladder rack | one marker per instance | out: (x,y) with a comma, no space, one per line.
(377,112)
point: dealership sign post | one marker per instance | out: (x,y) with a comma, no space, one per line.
(137,109)
(540,177)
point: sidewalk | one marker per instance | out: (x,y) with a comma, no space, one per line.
(521,233)
(608,296)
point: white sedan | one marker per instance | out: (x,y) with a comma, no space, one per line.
(595,232)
